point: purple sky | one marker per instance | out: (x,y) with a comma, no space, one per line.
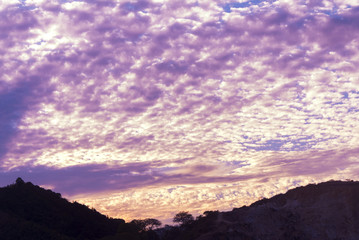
(146,108)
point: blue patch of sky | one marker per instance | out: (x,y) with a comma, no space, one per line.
(330,12)
(236,164)
(333,103)
(345,95)
(313,116)
(297,182)
(300,92)
(134,6)
(333,14)
(170,190)
(328,69)
(22,5)
(129,6)
(300,47)
(296,107)
(353,110)
(40,42)
(299,144)
(270,145)
(227,7)
(219,196)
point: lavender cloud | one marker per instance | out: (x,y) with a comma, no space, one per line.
(107,87)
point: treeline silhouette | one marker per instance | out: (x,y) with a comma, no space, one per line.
(327,210)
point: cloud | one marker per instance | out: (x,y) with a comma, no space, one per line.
(197,93)
(99,178)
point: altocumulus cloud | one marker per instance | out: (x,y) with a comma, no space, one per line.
(142,107)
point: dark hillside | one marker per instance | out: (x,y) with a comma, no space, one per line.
(325,211)
(31,212)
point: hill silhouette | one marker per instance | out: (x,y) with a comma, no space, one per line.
(325,211)
(30,212)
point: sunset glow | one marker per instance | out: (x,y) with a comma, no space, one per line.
(147,108)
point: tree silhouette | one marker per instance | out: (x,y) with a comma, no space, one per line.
(183,218)
(19,181)
(146,224)
(139,224)
(152,223)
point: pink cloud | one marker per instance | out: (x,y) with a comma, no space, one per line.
(106,84)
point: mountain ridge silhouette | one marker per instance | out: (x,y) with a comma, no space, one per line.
(324,211)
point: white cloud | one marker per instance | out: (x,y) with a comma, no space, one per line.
(269,86)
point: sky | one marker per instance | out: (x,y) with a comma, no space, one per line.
(147,108)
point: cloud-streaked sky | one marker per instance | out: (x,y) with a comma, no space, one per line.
(146,108)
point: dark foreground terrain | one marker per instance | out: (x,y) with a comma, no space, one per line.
(29,212)
(325,211)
